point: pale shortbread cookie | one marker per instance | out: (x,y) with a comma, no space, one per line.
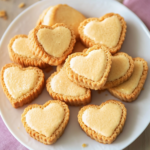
(121,69)
(46,123)
(103,123)
(52,44)
(19,82)
(81,65)
(62,14)
(129,90)
(21,85)
(89,69)
(59,86)
(109,30)
(20,53)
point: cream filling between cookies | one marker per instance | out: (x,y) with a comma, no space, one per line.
(119,67)
(61,84)
(45,121)
(129,86)
(104,120)
(20,46)
(91,66)
(19,82)
(106,32)
(55,41)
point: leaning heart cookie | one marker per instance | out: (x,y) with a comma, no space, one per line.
(52,44)
(60,87)
(121,69)
(20,53)
(21,85)
(89,69)
(62,13)
(103,123)
(46,123)
(109,30)
(129,90)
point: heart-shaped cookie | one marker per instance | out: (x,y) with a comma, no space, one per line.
(109,30)
(91,68)
(121,69)
(62,13)
(130,89)
(52,44)
(19,52)
(21,85)
(103,123)
(46,123)
(59,86)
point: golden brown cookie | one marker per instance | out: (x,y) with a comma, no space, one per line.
(62,13)
(89,69)
(103,123)
(52,44)
(121,69)
(21,85)
(60,87)
(46,123)
(109,30)
(20,53)
(129,90)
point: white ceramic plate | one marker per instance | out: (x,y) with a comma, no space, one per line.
(137,44)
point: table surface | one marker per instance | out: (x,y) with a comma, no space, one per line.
(11,7)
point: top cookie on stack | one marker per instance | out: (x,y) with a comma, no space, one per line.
(62,14)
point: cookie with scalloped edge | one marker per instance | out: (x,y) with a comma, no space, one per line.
(51,44)
(103,123)
(46,123)
(20,53)
(89,69)
(130,90)
(60,87)
(62,13)
(121,69)
(21,85)
(109,30)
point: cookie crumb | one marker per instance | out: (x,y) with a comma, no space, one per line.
(84,145)
(2,13)
(21,5)
(142,89)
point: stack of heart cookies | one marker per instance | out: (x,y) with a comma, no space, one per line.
(85,52)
